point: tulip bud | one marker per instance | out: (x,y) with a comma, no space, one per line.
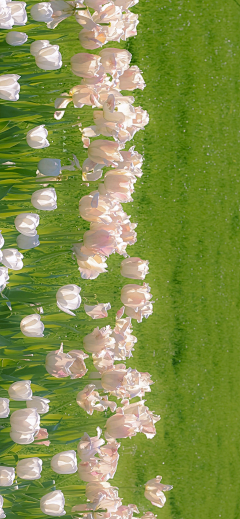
(21,438)
(37,137)
(26,223)
(42,12)
(12,259)
(9,87)
(38,45)
(16,38)
(4,277)
(49,58)
(20,390)
(39,403)
(64,463)
(2,514)
(134,268)
(27,242)
(45,199)
(53,504)
(68,298)
(18,12)
(25,421)
(7,476)
(50,167)
(4,408)
(32,326)
(29,468)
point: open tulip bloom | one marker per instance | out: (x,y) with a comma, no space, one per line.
(68,298)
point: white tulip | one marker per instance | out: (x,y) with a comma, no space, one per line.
(1,240)
(7,476)
(53,503)
(4,277)
(49,58)
(42,12)
(27,242)
(68,298)
(18,12)
(32,326)
(39,403)
(38,45)
(26,223)
(4,408)
(29,468)
(9,87)
(16,38)
(25,421)
(50,167)
(6,19)
(2,514)
(21,438)
(12,259)
(37,137)
(64,462)
(45,199)
(20,390)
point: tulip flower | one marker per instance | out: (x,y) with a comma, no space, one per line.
(90,400)
(26,223)
(58,363)
(145,417)
(154,491)
(9,87)
(120,185)
(7,476)
(6,19)
(32,326)
(104,152)
(136,300)
(61,11)
(90,264)
(1,240)
(134,268)
(2,514)
(37,137)
(93,470)
(27,242)
(20,390)
(50,167)
(53,504)
(96,208)
(4,408)
(12,259)
(97,340)
(25,421)
(121,426)
(18,12)
(78,368)
(4,277)
(131,79)
(64,462)
(115,61)
(16,38)
(38,45)
(68,298)
(49,58)
(29,468)
(89,446)
(45,199)
(97,311)
(86,65)
(42,12)
(92,38)
(21,438)
(42,434)
(39,403)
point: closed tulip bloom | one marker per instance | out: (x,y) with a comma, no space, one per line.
(115,60)
(9,87)
(78,368)
(27,242)
(20,390)
(39,403)
(58,363)
(21,438)
(92,39)
(104,152)
(18,12)
(120,186)
(86,65)
(25,420)
(131,79)
(29,468)
(50,167)
(97,340)
(45,199)
(100,242)
(154,491)
(4,408)
(68,298)
(38,45)
(37,137)
(134,268)
(65,462)
(6,19)
(4,277)
(16,38)
(49,58)
(135,295)
(32,326)
(97,311)
(7,476)
(42,12)
(121,426)
(26,223)
(2,514)
(53,504)
(12,259)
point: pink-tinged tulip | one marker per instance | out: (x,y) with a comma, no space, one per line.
(108,13)
(94,470)
(92,38)
(130,22)
(115,61)
(64,462)
(58,363)
(128,235)
(90,400)
(97,340)
(42,434)
(131,79)
(144,310)
(154,491)
(126,4)
(7,476)
(53,504)
(68,298)
(86,65)
(105,152)
(146,418)
(20,390)
(97,311)
(100,242)
(135,295)
(126,383)
(121,426)
(134,268)
(84,18)
(103,360)
(124,340)
(102,490)
(90,264)
(119,185)
(78,368)
(96,4)
(4,408)
(84,95)
(88,447)
(96,208)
